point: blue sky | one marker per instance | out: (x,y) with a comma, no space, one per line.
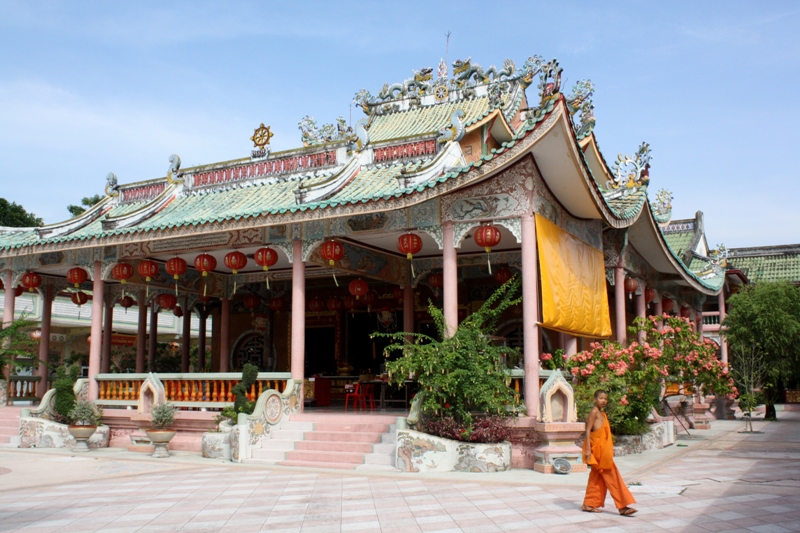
(92,87)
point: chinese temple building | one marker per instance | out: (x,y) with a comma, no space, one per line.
(451,182)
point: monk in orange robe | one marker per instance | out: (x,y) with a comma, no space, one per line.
(598,449)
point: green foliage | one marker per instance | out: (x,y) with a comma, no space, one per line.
(15,341)
(249,376)
(162,416)
(64,401)
(765,319)
(554,361)
(85,413)
(86,203)
(462,374)
(167,360)
(15,216)
(194,356)
(229,414)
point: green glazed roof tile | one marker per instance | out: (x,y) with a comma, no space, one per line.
(774,263)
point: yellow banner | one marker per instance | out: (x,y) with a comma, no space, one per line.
(574,298)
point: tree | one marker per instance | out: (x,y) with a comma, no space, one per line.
(86,203)
(15,342)
(14,215)
(765,318)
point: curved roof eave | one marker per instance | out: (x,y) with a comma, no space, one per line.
(645,235)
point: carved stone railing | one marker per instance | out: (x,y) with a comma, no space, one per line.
(23,388)
(199,390)
(710,318)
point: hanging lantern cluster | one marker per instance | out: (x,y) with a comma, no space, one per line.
(686,312)
(122,272)
(178,311)
(409,244)
(334,303)
(126,302)
(31,281)
(631,284)
(350,303)
(236,261)
(358,288)
(502,275)
(649,295)
(79,298)
(487,236)
(176,267)
(76,276)
(147,270)
(278,304)
(265,258)
(316,304)
(205,263)
(252,302)
(18,290)
(332,251)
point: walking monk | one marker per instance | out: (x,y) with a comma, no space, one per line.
(599,453)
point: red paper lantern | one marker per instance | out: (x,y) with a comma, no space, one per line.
(18,291)
(204,299)
(122,272)
(252,301)
(686,312)
(316,304)
(76,276)
(350,302)
(265,258)
(235,261)
(176,267)
(487,236)
(436,280)
(409,244)
(334,304)
(358,287)
(371,298)
(205,263)
(167,300)
(502,275)
(278,304)
(649,295)
(31,281)
(331,251)
(631,284)
(667,305)
(178,312)
(2,285)
(147,270)
(126,302)
(79,298)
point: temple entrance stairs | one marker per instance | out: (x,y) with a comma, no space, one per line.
(331,440)
(9,425)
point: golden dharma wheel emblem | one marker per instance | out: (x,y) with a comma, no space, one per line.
(261,136)
(441,93)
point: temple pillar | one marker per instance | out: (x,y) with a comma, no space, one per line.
(698,316)
(187,335)
(9,299)
(108,324)
(95,347)
(723,343)
(570,345)
(658,309)
(201,341)
(641,311)
(298,353)
(530,315)
(450,275)
(141,332)
(408,310)
(153,340)
(619,303)
(44,342)
(225,336)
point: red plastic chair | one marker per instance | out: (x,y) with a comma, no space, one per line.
(367,396)
(355,395)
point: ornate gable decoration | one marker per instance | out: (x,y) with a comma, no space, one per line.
(662,206)
(631,173)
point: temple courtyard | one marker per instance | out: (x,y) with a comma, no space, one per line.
(715,480)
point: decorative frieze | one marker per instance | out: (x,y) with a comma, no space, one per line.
(278,165)
(142,193)
(405,151)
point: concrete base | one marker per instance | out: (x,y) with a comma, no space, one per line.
(127,429)
(524,441)
(558,441)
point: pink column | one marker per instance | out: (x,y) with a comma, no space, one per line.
(658,309)
(298,358)
(641,310)
(9,298)
(723,343)
(44,343)
(96,346)
(530,315)
(699,319)
(570,345)
(225,336)
(187,335)
(408,310)
(108,323)
(141,332)
(152,346)
(619,302)
(450,274)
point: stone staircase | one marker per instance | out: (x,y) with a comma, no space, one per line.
(9,425)
(332,440)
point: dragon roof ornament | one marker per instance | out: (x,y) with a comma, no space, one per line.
(717,263)
(631,173)
(312,134)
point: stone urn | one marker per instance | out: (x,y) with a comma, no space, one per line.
(160,439)
(81,434)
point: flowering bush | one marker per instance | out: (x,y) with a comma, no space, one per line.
(554,361)
(489,429)
(634,377)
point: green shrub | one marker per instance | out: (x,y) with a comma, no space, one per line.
(162,416)
(249,376)
(64,384)
(85,413)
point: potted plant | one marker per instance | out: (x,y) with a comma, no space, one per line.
(161,419)
(84,418)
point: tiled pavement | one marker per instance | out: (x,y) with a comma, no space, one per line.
(725,482)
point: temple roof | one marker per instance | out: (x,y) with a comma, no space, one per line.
(767,263)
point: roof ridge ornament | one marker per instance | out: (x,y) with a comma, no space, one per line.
(631,173)
(173,171)
(261,137)
(112,185)
(454,132)
(662,206)
(580,101)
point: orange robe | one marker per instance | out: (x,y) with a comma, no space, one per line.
(604,475)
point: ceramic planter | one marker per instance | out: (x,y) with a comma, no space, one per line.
(160,438)
(81,434)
